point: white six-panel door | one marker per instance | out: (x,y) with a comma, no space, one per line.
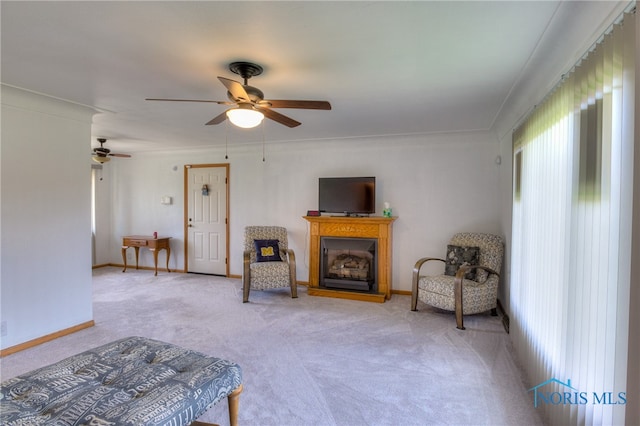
(206,219)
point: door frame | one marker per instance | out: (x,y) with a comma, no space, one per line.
(186,211)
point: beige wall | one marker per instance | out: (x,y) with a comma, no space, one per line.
(437,185)
(45,220)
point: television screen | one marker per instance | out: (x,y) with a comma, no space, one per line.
(348,195)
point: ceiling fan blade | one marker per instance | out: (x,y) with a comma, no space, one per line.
(120,155)
(189,100)
(274,103)
(236,89)
(276,116)
(217,119)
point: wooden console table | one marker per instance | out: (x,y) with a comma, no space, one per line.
(153,244)
(351,227)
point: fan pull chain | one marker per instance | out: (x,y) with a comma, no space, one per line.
(226,141)
(262,129)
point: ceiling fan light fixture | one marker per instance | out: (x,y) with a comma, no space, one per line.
(100,160)
(245,116)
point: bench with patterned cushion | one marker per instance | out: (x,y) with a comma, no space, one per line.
(132,381)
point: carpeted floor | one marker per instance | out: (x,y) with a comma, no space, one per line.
(313,360)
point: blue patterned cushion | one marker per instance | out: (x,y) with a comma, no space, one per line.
(458,256)
(267,251)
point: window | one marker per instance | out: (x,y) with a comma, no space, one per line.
(570,262)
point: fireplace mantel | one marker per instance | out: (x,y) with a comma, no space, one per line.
(351,227)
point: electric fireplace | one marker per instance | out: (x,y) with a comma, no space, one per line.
(370,228)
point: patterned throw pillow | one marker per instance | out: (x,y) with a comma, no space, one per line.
(267,251)
(458,256)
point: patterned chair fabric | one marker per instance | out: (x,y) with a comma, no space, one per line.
(267,275)
(475,296)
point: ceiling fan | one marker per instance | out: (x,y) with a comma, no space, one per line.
(102,154)
(250,106)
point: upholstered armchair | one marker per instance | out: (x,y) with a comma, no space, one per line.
(470,282)
(268,261)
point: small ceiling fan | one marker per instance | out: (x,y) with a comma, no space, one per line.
(250,106)
(102,154)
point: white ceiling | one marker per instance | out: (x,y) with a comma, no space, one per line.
(386,67)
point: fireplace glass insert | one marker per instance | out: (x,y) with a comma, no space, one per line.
(349,263)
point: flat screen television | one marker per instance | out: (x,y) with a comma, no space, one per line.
(347,195)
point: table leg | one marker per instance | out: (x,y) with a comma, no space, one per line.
(155,259)
(168,254)
(137,249)
(124,257)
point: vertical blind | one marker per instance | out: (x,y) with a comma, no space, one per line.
(570,261)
